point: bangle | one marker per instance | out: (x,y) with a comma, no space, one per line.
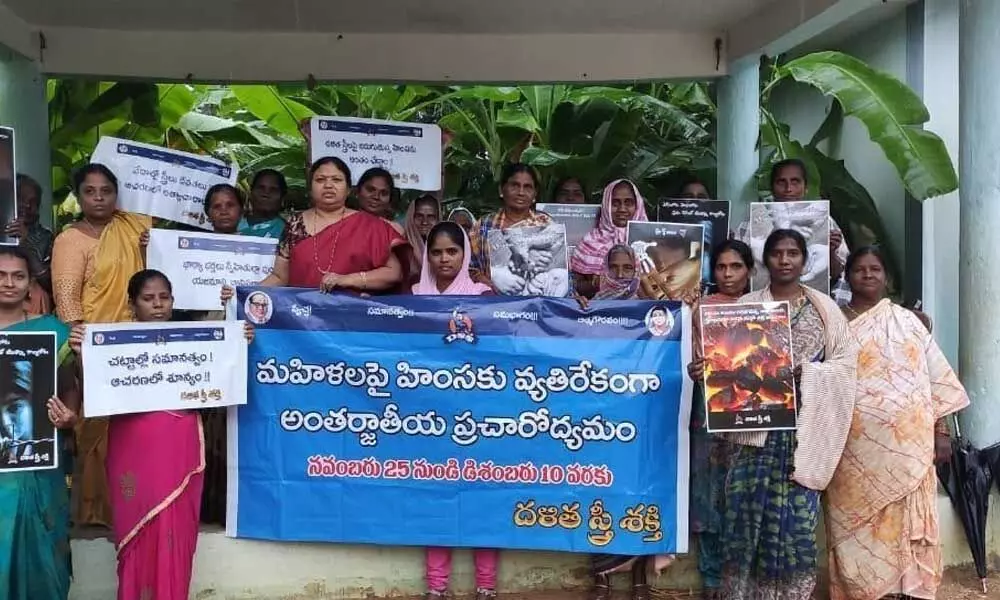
(364,281)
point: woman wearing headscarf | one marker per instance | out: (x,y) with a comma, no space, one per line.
(621,203)
(422,214)
(463,216)
(619,280)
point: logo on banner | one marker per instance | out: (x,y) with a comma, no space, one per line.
(460,327)
(183,242)
(659,321)
(98,339)
(258,308)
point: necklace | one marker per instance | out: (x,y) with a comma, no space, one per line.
(855,312)
(93,229)
(333,250)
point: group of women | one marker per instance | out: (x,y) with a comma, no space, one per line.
(873,389)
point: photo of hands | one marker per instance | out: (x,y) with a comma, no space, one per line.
(530,261)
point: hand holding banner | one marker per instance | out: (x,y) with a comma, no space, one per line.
(146,367)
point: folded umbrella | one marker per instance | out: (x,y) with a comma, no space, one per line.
(967,478)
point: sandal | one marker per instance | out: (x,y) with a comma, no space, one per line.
(485,594)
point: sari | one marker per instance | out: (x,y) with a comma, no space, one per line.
(462,285)
(358,242)
(614,288)
(34,532)
(89,280)
(156,464)
(775,479)
(417,242)
(881,513)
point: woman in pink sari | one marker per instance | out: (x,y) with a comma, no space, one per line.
(622,203)
(445,272)
(335,248)
(155,468)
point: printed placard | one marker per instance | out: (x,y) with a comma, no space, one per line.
(530,261)
(669,256)
(199,264)
(712,215)
(8,185)
(749,372)
(28,440)
(810,218)
(578,219)
(161,182)
(146,367)
(410,151)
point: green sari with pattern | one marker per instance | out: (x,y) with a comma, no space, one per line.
(34,514)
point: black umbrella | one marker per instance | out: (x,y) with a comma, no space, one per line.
(967,478)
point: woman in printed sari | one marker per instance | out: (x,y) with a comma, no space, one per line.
(772,492)
(445,272)
(34,531)
(422,214)
(335,248)
(156,463)
(621,203)
(92,261)
(881,514)
(732,266)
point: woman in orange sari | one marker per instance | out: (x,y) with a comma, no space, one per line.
(881,512)
(335,248)
(92,261)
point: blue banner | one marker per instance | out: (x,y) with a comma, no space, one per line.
(456,421)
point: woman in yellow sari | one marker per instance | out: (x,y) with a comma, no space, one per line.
(92,262)
(881,516)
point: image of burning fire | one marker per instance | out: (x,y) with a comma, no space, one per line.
(749,382)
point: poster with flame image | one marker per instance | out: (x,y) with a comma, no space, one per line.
(749,373)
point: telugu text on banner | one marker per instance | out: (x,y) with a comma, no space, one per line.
(161,182)
(150,366)
(457,421)
(410,151)
(199,264)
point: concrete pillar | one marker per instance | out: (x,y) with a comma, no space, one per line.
(23,106)
(979,222)
(736,142)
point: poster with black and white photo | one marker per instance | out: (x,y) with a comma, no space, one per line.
(811,219)
(578,219)
(530,261)
(28,440)
(712,215)
(669,257)
(8,185)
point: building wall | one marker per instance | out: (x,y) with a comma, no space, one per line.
(23,106)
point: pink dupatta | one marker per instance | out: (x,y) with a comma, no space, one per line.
(461,286)
(592,251)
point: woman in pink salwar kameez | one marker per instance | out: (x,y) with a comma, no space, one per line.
(155,468)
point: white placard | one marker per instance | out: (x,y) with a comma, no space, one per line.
(146,367)
(410,151)
(161,182)
(199,264)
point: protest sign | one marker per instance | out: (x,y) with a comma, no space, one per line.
(749,384)
(712,215)
(489,430)
(28,440)
(529,261)
(8,185)
(578,219)
(669,257)
(150,366)
(199,264)
(812,220)
(410,151)
(161,182)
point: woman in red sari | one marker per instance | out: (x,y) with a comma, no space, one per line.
(332,247)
